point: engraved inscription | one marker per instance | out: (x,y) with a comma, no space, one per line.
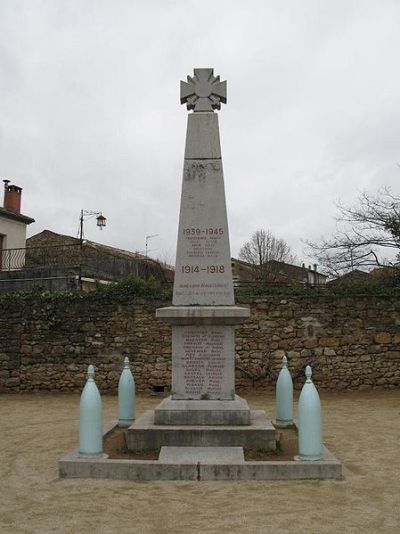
(205,362)
(202,242)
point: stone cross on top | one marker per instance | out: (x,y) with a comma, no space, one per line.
(203,91)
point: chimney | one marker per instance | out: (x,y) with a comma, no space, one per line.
(315,267)
(12,197)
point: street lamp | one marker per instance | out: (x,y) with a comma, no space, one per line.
(88,214)
(101,221)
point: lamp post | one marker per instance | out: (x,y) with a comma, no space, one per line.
(88,214)
(101,222)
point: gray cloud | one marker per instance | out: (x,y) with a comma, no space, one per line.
(90,115)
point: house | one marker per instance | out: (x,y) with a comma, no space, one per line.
(386,273)
(243,273)
(60,262)
(379,276)
(91,261)
(12,228)
(352,278)
(275,272)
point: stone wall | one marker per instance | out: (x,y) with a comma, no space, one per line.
(352,343)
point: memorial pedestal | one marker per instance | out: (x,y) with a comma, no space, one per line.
(203,367)
(144,434)
(202,412)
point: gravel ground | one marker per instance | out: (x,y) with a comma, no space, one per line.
(361,429)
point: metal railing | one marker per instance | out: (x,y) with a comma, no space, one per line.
(12,259)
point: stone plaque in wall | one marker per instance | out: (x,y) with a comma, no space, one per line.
(203,363)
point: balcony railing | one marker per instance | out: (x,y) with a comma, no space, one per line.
(12,259)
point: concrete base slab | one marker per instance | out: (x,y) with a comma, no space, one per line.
(202,412)
(193,465)
(327,467)
(145,435)
(125,423)
(202,455)
(283,424)
(73,466)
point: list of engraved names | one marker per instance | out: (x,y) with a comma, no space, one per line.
(204,362)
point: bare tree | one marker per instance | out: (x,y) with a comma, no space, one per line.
(262,251)
(365,232)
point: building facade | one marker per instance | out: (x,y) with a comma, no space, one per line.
(275,272)
(12,228)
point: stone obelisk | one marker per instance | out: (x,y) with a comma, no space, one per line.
(203,313)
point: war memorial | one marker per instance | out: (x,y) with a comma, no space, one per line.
(202,429)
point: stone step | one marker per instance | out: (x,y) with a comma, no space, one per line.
(72,465)
(145,435)
(202,455)
(202,412)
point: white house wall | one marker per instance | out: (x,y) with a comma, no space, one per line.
(14,236)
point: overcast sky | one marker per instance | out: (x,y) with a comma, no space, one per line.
(90,114)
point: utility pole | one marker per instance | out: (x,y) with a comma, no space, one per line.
(146,264)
